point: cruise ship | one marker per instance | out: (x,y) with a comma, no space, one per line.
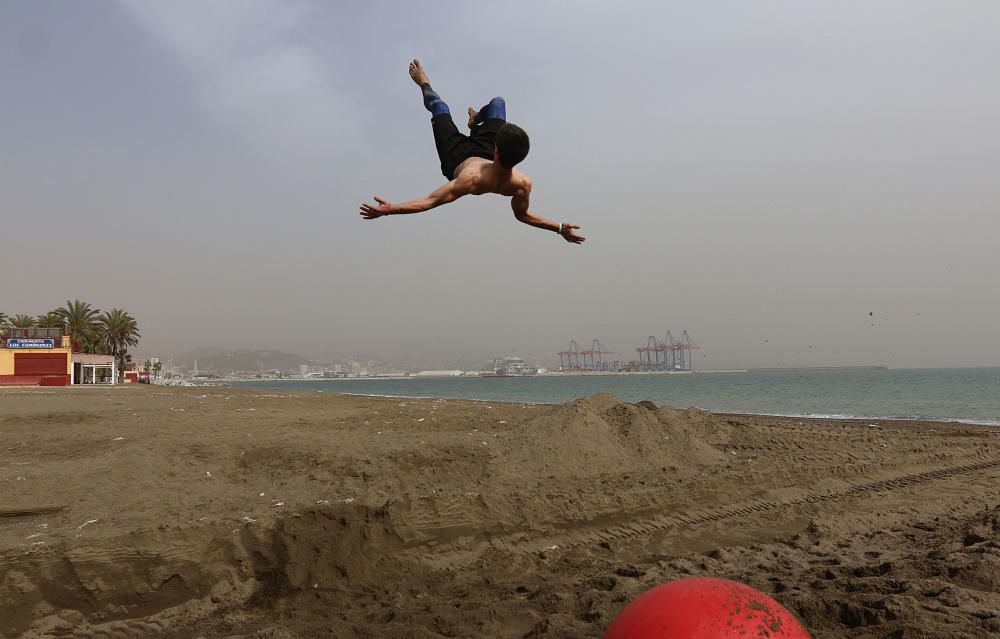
(510,366)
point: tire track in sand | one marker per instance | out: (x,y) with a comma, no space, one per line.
(688,519)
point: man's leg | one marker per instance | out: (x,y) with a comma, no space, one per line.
(448,140)
(494,109)
(432,101)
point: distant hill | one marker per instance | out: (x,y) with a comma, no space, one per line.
(217,360)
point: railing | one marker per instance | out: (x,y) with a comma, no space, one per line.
(34,333)
(10,333)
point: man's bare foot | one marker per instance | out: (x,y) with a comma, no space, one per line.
(418,74)
(472,116)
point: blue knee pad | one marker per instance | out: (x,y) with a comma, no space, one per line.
(433,102)
(497,109)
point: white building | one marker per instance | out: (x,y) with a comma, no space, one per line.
(94,369)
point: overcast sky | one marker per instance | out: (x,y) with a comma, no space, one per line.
(762,174)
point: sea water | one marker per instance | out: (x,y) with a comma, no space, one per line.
(970,395)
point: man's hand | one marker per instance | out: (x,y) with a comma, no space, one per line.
(370,212)
(568,234)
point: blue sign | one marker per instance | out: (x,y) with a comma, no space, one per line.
(31,343)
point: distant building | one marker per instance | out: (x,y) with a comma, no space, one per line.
(36,357)
(94,369)
(453,373)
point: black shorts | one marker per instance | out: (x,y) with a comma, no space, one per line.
(454,147)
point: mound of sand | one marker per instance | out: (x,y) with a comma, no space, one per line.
(602,434)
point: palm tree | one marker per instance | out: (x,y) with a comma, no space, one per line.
(119,330)
(94,343)
(49,320)
(22,321)
(3,324)
(80,320)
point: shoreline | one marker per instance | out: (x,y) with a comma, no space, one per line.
(814,417)
(569,373)
(260,384)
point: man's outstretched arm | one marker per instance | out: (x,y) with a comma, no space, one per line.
(442,195)
(520,205)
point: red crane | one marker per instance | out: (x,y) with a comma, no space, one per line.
(653,350)
(596,354)
(572,357)
(670,354)
(684,348)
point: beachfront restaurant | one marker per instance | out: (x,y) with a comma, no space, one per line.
(45,357)
(94,369)
(36,357)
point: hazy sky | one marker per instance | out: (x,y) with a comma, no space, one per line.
(764,174)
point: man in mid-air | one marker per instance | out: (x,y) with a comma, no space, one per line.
(481,162)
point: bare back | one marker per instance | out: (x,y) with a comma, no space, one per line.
(486,176)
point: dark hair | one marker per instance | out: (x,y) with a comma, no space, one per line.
(512,145)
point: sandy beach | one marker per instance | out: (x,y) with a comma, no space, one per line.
(213,512)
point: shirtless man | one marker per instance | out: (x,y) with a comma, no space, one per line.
(482,162)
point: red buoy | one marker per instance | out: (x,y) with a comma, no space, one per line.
(705,608)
